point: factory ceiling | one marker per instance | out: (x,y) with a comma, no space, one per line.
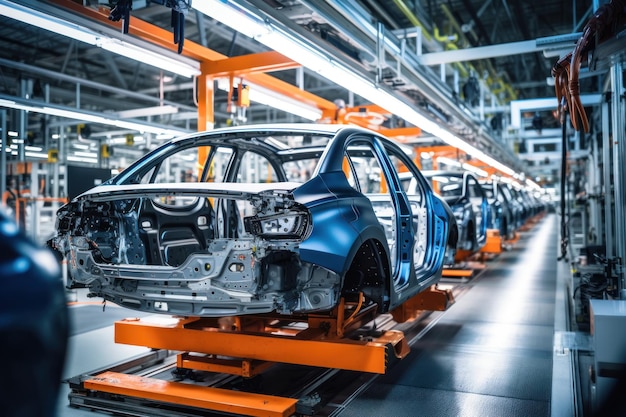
(38,63)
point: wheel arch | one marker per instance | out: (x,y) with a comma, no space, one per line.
(369,272)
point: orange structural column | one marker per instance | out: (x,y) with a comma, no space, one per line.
(206,112)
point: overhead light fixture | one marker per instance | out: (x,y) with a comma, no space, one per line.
(82,146)
(72,158)
(148,57)
(530,183)
(35,18)
(180,65)
(278,101)
(448,161)
(61,111)
(475,170)
(147,111)
(255,26)
(33,154)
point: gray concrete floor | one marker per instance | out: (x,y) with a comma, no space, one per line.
(91,344)
(490,355)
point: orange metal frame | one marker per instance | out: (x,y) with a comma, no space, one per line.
(370,116)
(252,67)
(224,400)
(246,346)
(434,299)
(458,273)
(266,339)
(494,242)
(213,64)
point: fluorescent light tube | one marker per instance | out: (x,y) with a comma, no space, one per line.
(147,111)
(51,23)
(47,108)
(475,170)
(285,104)
(278,101)
(231,15)
(148,57)
(83,34)
(82,159)
(448,161)
(33,154)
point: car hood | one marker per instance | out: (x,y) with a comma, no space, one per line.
(208,189)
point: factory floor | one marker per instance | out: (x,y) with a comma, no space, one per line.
(498,351)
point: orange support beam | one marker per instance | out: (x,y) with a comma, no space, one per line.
(190,335)
(370,116)
(462,255)
(217,399)
(249,64)
(434,299)
(494,242)
(457,273)
(209,363)
(402,134)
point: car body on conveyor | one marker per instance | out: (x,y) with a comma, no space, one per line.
(463,193)
(504,211)
(257,219)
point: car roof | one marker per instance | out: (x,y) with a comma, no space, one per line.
(444,173)
(320,128)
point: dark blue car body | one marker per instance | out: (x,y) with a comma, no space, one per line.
(463,193)
(504,213)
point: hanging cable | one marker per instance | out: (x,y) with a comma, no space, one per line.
(564,228)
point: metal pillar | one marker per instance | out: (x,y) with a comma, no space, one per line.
(619,157)
(21,143)
(380,51)
(3,154)
(607,184)
(594,189)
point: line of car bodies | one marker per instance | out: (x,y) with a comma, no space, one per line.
(480,205)
(269,218)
